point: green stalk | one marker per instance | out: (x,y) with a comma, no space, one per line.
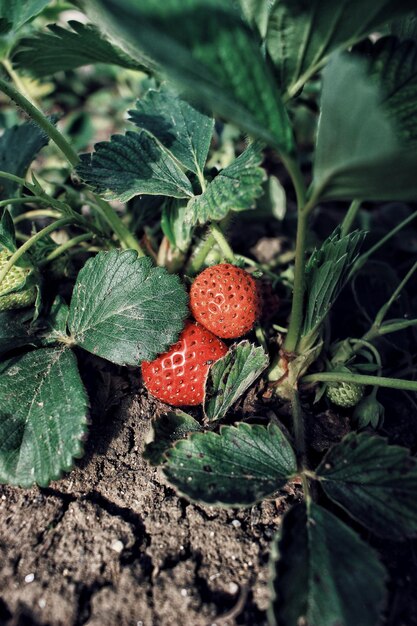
(297,308)
(350,217)
(34,214)
(197,261)
(41,120)
(17,80)
(64,247)
(222,242)
(360,262)
(384,309)
(23,200)
(30,242)
(360,379)
(14,179)
(127,239)
(298,428)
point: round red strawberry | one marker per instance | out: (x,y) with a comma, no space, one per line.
(178,377)
(224,298)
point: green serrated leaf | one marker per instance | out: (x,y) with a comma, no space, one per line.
(15,329)
(61,49)
(43,416)
(358,155)
(124,309)
(231,376)
(57,321)
(18,12)
(238,467)
(168,429)
(235,188)
(301,35)
(130,165)
(257,14)
(323,573)
(393,66)
(18,147)
(181,128)
(326,274)
(374,482)
(206,47)
(7,232)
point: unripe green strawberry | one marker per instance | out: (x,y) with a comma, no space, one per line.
(344,394)
(18,300)
(12,292)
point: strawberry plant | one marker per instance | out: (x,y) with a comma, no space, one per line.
(130,252)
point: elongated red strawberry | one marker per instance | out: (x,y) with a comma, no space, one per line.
(225,299)
(178,377)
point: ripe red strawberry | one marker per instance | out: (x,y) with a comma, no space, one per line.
(224,298)
(178,377)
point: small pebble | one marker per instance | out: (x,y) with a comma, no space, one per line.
(183,593)
(233,588)
(29,578)
(236,523)
(117,546)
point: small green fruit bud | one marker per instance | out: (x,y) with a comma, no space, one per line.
(12,292)
(344,394)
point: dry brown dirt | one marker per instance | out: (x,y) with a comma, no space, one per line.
(112,545)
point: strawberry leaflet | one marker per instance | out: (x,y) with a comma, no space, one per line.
(124,309)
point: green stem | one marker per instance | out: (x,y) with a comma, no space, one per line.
(64,247)
(126,238)
(17,80)
(297,179)
(350,217)
(14,179)
(197,261)
(388,328)
(30,242)
(384,309)
(361,379)
(297,308)
(360,262)
(23,200)
(298,428)
(222,242)
(34,214)
(364,343)
(41,120)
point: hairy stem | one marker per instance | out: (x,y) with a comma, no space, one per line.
(30,242)
(127,239)
(360,262)
(297,308)
(384,309)
(350,217)
(23,200)
(361,379)
(64,247)
(34,214)
(47,126)
(222,242)
(17,80)
(298,428)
